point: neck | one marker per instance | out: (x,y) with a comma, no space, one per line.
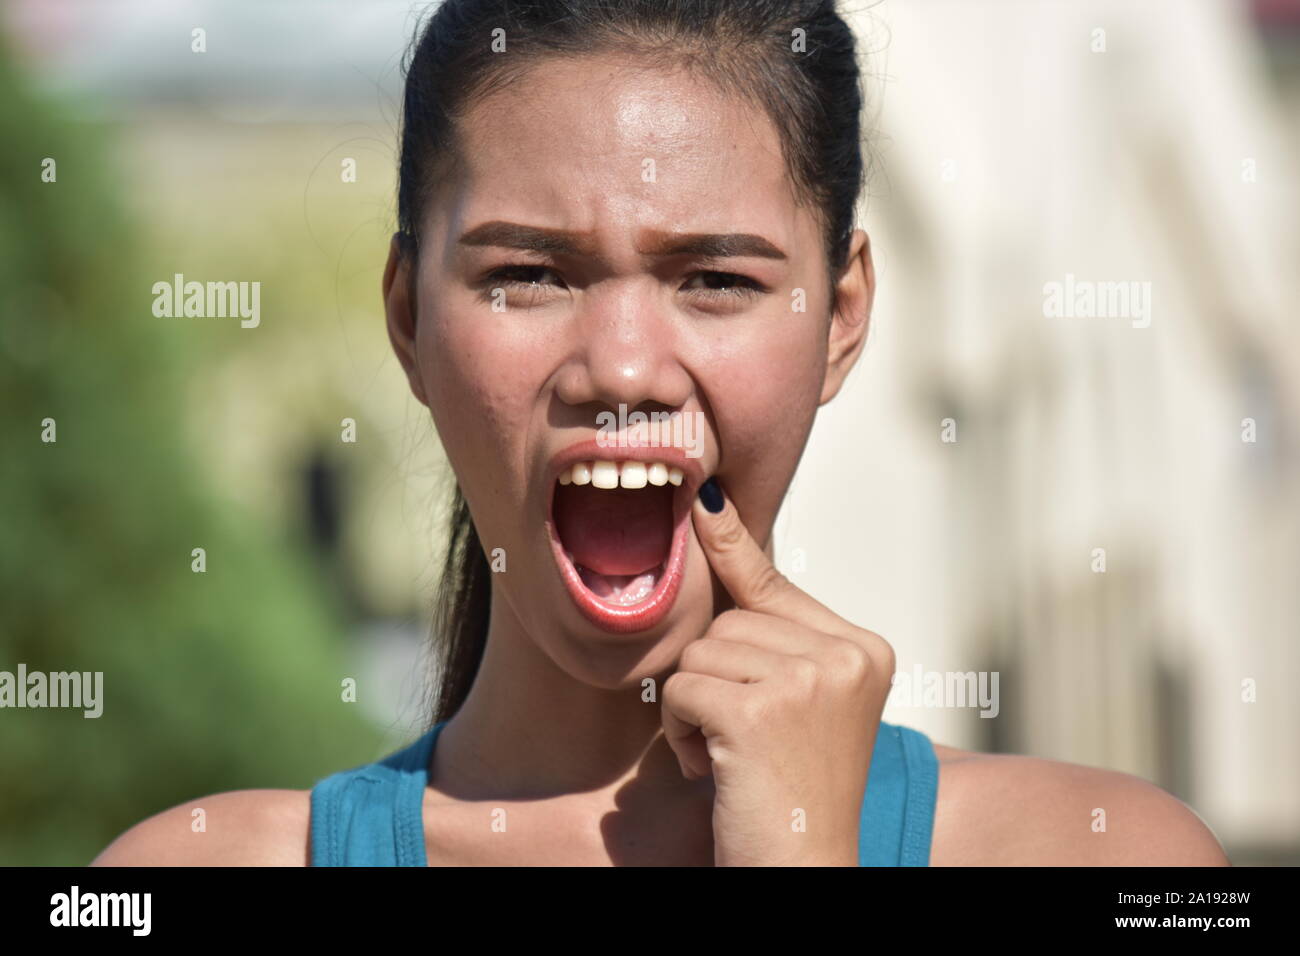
(529,729)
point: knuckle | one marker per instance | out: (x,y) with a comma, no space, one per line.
(692,655)
(855,662)
(731,621)
(751,710)
(881,651)
(804,672)
(673,684)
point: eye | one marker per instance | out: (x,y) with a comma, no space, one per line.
(522,275)
(723,286)
(531,280)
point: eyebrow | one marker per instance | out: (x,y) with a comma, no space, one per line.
(704,245)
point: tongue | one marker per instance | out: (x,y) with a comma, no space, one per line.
(619,588)
(615,532)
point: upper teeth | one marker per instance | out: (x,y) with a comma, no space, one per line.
(627,474)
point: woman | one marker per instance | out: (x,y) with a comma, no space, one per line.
(618,207)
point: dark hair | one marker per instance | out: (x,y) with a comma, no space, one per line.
(795,59)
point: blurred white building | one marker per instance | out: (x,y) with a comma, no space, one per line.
(1021,144)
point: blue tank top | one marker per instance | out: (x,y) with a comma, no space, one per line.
(372,815)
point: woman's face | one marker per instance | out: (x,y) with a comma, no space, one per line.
(619,236)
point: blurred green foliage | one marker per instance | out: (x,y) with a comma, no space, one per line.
(213,681)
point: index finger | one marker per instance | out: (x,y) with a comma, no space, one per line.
(745,570)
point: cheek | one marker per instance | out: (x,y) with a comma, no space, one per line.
(480,384)
(765,388)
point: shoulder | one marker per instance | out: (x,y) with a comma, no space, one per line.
(238,828)
(1008,810)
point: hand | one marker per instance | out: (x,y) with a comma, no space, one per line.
(780,701)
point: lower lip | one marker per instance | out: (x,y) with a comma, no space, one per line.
(626,619)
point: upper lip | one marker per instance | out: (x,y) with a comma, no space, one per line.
(593,450)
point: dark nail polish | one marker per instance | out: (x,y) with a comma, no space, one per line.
(711,495)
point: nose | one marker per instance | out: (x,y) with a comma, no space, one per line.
(626,352)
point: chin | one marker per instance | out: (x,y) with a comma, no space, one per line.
(620,660)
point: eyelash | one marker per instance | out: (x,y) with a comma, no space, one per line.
(741,287)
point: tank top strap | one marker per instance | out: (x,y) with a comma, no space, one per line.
(371,815)
(898,809)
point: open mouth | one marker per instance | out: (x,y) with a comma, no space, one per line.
(618,532)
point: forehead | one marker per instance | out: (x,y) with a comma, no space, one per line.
(602,143)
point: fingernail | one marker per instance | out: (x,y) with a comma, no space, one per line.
(711,495)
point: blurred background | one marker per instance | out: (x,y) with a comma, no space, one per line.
(1102,511)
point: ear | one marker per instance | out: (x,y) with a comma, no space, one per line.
(850,315)
(400,311)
